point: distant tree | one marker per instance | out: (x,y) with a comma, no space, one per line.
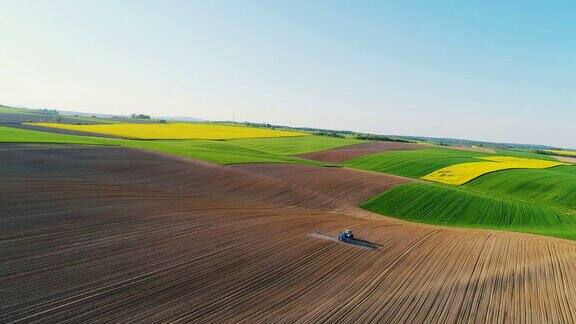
(328,134)
(140,116)
(371,137)
(48,111)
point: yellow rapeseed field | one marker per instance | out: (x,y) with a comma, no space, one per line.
(461,173)
(174,131)
(563,152)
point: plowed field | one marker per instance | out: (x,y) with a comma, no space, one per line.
(109,234)
(341,187)
(341,154)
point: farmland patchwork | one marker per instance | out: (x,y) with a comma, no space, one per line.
(518,199)
(276,149)
(100,229)
(104,234)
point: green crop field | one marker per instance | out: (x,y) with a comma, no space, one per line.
(13,110)
(12,115)
(294,145)
(453,206)
(214,151)
(553,186)
(17,135)
(413,163)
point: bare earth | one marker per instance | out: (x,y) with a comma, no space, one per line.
(340,154)
(566,159)
(109,234)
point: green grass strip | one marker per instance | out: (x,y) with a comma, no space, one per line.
(294,145)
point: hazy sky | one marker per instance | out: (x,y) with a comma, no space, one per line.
(487,70)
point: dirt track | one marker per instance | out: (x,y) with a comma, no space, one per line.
(344,153)
(116,235)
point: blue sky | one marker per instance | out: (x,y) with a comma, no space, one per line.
(485,70)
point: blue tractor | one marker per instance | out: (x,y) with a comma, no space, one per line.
(345,236)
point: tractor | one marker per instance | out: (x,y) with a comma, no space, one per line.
(345,236)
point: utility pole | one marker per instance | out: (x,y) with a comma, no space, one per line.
(233,117)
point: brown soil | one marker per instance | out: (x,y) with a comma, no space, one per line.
(566,159)
(109,235)
(339,186)
(344,153)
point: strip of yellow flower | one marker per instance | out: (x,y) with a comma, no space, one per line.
(563,153)
(461,173)
(174,131)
